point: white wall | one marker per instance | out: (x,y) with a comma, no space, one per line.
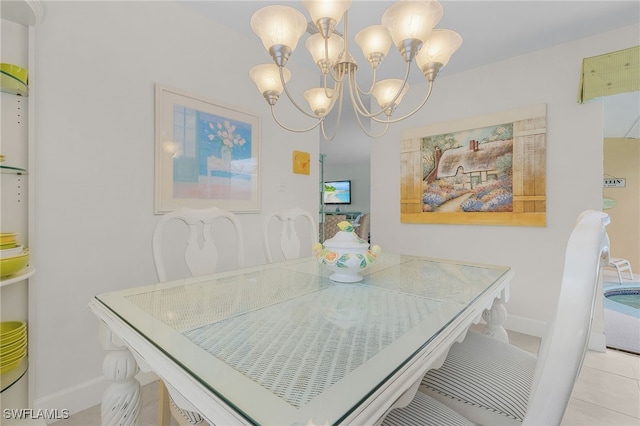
(574,170)
(97,63)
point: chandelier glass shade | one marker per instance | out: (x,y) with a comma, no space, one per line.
(408,25)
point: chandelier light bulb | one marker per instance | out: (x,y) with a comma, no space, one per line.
(385,90)
(279,28)
(325,14)
(375,43)
(267,78)
(410,23)
(316,47)
(318,100)
(437,51)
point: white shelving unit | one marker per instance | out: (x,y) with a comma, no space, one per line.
(17,27)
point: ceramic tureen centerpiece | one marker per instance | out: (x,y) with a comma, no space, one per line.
(346,254)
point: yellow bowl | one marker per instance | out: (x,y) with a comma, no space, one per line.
(13,356)
(10,364)
(11,265)
(13,79)
(10,367)
(11,328)
(7,238)
(13,346)
(11,337)
(11,341)
(11,332)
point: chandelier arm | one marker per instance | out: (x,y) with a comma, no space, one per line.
(358,106)
(273,114)
(324,134)
(334,76)
(326,91)
(396,120)
(337,125)
(333,99)
(371,135)
(373,83)
(286,90)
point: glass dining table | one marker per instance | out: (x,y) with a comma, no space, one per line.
(282,344)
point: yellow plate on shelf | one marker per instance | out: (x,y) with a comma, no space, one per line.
(11,265)
(15,71)
(10,251)
(8,238)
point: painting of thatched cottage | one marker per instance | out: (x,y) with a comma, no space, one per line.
(471,166)
(492,174)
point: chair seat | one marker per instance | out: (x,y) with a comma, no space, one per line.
(425,411)
(486,380)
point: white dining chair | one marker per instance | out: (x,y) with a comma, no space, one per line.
(201,247)
(200,255)
(288,244)
(491,382)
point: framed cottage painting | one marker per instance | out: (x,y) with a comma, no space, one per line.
(486,170)
(206,154)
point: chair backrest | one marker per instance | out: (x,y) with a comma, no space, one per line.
(563,349)
(201,253)
(331,222)
(289,242)
(363,229)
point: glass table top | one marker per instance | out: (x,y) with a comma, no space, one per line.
(283,344)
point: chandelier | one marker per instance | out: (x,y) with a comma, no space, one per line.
(409,25)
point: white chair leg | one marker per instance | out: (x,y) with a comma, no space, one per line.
(619,274)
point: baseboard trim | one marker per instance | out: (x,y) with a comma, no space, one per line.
(524,325)
(597,340)
(84,395)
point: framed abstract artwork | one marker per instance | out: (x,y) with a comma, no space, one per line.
(206,154)
(301,162)
(485,170)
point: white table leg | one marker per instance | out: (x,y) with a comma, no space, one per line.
(495,318)
(121,399)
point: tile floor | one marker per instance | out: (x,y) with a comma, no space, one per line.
(607,392)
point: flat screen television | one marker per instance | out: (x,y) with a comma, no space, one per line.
(337,192)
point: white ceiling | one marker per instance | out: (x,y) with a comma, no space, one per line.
(491,30)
